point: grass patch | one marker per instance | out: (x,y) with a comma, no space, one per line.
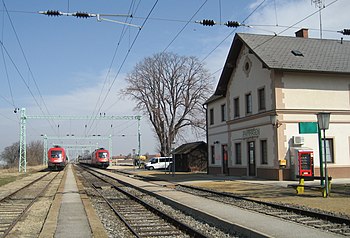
(12,174)
(7,180)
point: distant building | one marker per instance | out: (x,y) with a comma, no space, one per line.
(291,78)
(191,157)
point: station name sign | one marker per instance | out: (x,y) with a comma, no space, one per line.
(251,133)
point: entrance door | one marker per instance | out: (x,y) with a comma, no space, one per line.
(251,158)
(224,159)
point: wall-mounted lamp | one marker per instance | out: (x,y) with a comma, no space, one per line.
(216,142)
(274,121)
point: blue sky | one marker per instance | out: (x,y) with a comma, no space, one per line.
(70,59)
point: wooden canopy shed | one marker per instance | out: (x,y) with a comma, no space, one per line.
(191,157)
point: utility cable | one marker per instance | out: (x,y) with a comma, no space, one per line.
(220,10)
(19,73)
(94,112)
(291,26)
(233,31)
(131,11)
(183,28)
(29,68)
(123,62)
(5,65)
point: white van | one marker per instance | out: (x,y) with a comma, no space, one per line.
(159,163)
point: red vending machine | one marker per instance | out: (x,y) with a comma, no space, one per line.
(302,163)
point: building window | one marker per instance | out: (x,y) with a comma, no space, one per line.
(238,153)
(263,151)
(223,112)
(248,103)
(236,107)
(212,152)
(261,98)
(211,116)
(330,151)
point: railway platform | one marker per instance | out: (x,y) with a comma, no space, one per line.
(71,214)
(250,224)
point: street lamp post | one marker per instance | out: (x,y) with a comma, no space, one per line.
(323,123)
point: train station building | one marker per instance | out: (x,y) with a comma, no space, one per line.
(262,116)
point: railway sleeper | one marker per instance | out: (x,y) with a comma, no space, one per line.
(325,226)
(143,225)
(163,231)
(313,222)
(159,233)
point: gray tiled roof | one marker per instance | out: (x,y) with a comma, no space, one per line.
(275,52)
(321,55)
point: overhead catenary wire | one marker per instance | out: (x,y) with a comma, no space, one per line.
(291,26)
(125,58)
(94,112)
(5,65)
(29,68)
(8,101)
(183,28)
(19,73)
(233,31)
(285,26)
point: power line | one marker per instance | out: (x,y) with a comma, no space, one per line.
(183,28)
(8,101)
(291,26)
(98,16)
(285,26)
(233,31)
(131,12)
(124,60)
(5,65)
(27,63)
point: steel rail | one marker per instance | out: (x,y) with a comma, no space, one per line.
(185,228)
(323,216)
(16,191)
(28,206)
(328,217)
(121,217)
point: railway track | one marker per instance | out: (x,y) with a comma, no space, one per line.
(315,219)
(142,218)
(14,206)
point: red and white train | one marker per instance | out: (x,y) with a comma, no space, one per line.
(57,158)
(98,158)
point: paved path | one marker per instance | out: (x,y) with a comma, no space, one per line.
(72,219)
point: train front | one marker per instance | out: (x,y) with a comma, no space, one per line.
(102,158)
(57,158)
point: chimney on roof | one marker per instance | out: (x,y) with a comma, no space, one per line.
(303,33)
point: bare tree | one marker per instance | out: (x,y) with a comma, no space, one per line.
(10,155)
(170,89)
(35,152)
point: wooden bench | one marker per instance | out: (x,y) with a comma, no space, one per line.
(301,186)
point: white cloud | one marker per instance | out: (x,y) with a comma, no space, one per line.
(299,14)
(81,102)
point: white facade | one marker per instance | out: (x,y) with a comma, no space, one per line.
(257,148)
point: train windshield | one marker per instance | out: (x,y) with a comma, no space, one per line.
(56,154)
(103,155)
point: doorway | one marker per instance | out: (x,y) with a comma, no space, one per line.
(224,157)
(251,158)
